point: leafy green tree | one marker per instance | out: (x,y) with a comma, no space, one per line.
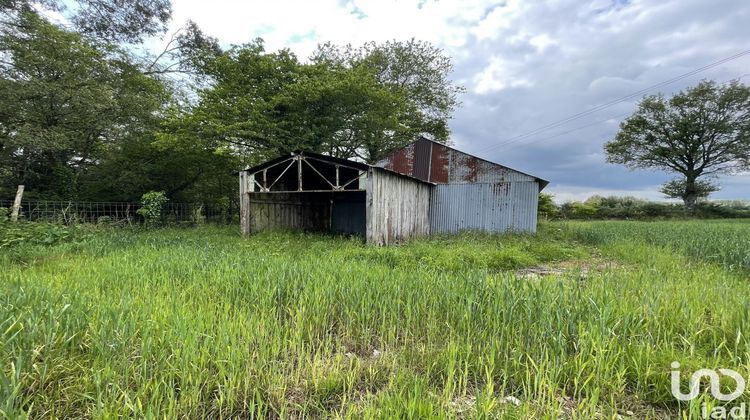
(247,106)
(265,103)
(185,170)
(547,207)
(109,20)
(187,51)
(702,131)
(677,188)
(417,73)
(66,103)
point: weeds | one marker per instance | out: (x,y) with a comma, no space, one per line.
(204,323)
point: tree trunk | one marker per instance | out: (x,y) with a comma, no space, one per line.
(690,196)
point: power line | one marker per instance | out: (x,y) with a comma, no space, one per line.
(569,131)
(616,101)
(512,146)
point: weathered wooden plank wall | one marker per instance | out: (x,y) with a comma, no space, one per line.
(297,211)
(398,208)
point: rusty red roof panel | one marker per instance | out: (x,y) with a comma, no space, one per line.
(439,164)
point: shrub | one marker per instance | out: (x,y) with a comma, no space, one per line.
(578,210)
(598,207)
(13,234)
(152,207)
(547,208)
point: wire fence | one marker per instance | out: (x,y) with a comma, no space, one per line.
(71,212)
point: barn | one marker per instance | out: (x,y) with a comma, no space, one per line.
(469,193)
(424,188)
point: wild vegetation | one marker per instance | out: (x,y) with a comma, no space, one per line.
(632,208)
(202,323)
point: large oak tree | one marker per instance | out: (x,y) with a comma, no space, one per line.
(697,133)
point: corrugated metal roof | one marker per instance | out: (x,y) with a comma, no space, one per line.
(435,162)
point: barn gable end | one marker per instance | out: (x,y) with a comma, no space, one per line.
(471,193)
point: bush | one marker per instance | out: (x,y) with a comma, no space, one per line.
(13,234)
(626,208)
(152,207)
(547,208)
(578,210)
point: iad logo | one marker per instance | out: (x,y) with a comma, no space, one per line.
(695,383)
(715,387)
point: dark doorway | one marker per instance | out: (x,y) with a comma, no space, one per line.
(348,213)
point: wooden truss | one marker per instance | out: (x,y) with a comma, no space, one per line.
(264,184)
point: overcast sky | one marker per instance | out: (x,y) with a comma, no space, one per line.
(525,64)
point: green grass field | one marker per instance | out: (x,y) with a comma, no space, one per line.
(203,323)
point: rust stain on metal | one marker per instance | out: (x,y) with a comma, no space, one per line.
(501,188)
(439,164)
(470,174)
(402,161)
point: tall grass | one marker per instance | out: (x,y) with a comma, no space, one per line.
(725,242)
(204,323)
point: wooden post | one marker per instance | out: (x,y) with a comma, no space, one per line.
(370,211)
(244,205)
(16,204)
(299,172)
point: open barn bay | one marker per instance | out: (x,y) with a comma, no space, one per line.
(581,320)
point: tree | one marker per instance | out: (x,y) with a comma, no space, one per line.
(245,109)
(66,103)
(417,72)
(677,188)
(80,116)
(348,103)
(109,20)
(187,51)
(702,131)
(547,208)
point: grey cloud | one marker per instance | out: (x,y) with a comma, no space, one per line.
(599,54)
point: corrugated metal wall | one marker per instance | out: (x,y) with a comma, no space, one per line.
(472,193)
(398,207)
(498,207)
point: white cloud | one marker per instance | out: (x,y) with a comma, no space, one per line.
(498,75)
(542,41)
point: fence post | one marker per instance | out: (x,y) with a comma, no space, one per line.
(16,204)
